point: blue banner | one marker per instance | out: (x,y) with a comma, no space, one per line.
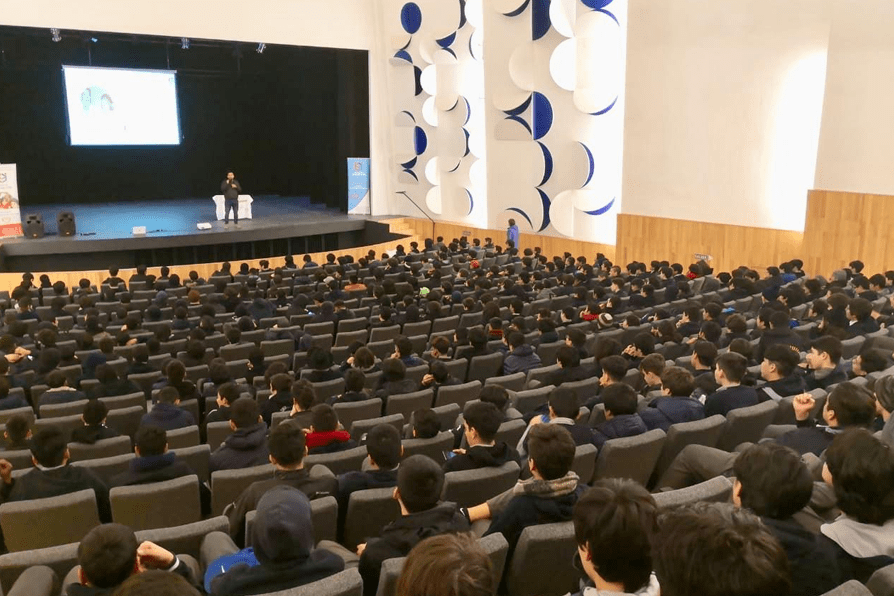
(358,186)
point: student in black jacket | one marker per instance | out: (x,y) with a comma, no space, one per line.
(824,362)
(246,446)
(153,461)
(730,371)
(280,399)
(481,421)
(778,369)
(94,428)
(675,405)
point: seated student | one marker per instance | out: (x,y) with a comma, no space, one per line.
(7,401)
(866,362)
(110,385)
(778,369)
(355,389)
(167,413)
(562,409)
(94,429)
(621,419)
(614,369)
(859,315)
(17,434)
(282,555)
(613,522)
(303,399)
(860,469)
(109,554)
(570,369)
(394,381)
(824,362)
(153,461)
(227,394)
(246,446)
(714,549)
(403,351)
(780,333)
(287,447)
(325,436)
(176,377)
(642,345)
(481,421)
(384,451)
(280,399)
(730,370)
(447,565)
(675,405)
(773,482)
(59,392)
(521,357)
(691,321)
(651,368)
(419,484)
(424,424)
(320,362)
(547,497)
(438,376)
(52,476)
(704,357)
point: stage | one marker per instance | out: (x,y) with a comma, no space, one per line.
(280,225)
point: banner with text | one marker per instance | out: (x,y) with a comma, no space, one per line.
(10,216)
(358,186)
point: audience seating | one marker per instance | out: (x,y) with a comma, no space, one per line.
(407,403)
(746,425)
(851,588)
(227,485)
(350,412)
(107,468)
(483,367)
(718,488)
(63,519)
(447,415)
(433,447)
(20,458)
(699,432)
(458,394)
(124,401)
(511,431)
(67,409)
(881,583)
(514,382)
(35,581)
(27,412)
(540,548)
(66,424)
(324,516)
(528,401)
(198,458)
(472,487)
(584,462)
(217,432)
(368,512)
(100,449)
(630,457)
(126,420)
(361,427)
(339,462)
(183,437)
(158,504)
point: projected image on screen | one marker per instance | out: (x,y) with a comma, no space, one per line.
(115,106)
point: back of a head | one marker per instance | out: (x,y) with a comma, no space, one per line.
(485,418)
(862,469)
(829,345)
(281,383)
(715,549)
(151,441)
(783,357)
(324,418)
(775,483)
(615,521)
(615,367)
(419,481)
(678,381)
(447,565)
(619,399)
(168,395)
(393,370)
(706,352)
(653,363)
(17,428)
(287,443)
(496,395)
(853,404)
(734,366)
(283,529)
(355,380)
(779,320)
(564,402)
(515,339)
(48,446)
(108,555)
(384,446)
(244,412)
(426,423)
(95,411)
(551,448)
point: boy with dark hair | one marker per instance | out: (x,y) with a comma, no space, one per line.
(227,394)
(651,368)
(288,449)
(324,435)
(153,461)
(303,399)
(355,383)
(403,350)
(167,413)
(17,434)
(773,482)
(94,429)
(110,553)
(868,361)
(848,405)
(730,371)
(690,322)
(570,370)
(246,446)
(704,356)
(823,359)
(859,314)
(426,424)
(419,484)
(675,405)
(778,370)
(613,522)
(779,333)
(481,421)
(614,369)
(714,549)
(563,409)
(59,392)
(280,399)
(577,339)
(621,419)
(521,356)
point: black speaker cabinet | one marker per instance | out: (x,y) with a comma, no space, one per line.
(33,227)
(66,221)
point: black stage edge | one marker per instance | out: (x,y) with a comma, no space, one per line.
(280,226)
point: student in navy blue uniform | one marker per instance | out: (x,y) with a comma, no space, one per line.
(778,370)
(675,404)
(730,371)
(621,419)
(824,362)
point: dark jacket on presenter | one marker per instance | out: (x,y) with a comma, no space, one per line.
(231,189)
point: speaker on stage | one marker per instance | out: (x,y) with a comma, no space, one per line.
(33,227)
(66,221)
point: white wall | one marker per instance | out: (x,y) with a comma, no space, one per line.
(857,139)
(724,103)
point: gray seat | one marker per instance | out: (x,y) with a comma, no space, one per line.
(584,464)
(66,424)
(106,468)
(458,394)
(432,448)
(346,583)
(528,401)
(850,588)
(585,389)
(547,352)
(458,367)
(699,432)
(102,448)
(417,328)
(185,539)
(746,425)
(27,412)
(340,462)
(361,427)
(511,431)
(58,558)
(542,547)
(630,457)
(64,519)
(368,512)
(444,324)
(217,432)
(472,487)
(124,401)
(67,409)
(346,338)
(513,382)
(183,437)
(407,403)
(227,485)
(35,581)
(157,504)
(881,583)
(483,367)
(327,389)
(447,415)
(126,420)
(718,488)
(350,412)
(537,376)
(278,347)
(384,333)
(20,458)
(324,516)
(198,458)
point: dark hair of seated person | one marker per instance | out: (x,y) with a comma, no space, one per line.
(49,447)
(426,423)
(154,582)
(244,412)
(287,444)
(775,483)
(108,555)
(419,483)
(151,441)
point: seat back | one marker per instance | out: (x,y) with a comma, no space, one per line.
(27,412)
(718,488)
(368,512)
(852,588)
(102,448)
(62,520)
(472,487)
(458,394)
(881,583)
(20,458)
(408,403)
(361,427)
(185,539)
(126,420)
(227,485)
(327,389)
(340,462)
(384,333)
(747,424)
(106,468)
(60,559)
(124,401)
(528,401)
(350,412)
(700,432)
(584,464)
(64,423)
(198,458)
(514,382)
(630,457)
(157,504)
(540,547)
(433,447)
(67,409)
(183,437)
(511,431)
(217,432)
(324,517)
(483,367)
(346,583)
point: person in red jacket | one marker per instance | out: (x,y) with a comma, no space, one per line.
(325,436)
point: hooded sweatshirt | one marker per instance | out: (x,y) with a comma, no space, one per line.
(152,468)
(168,417)
(667,410)
(244,448)
(481,456)
(625,425)
(283,545)
(521,359)
(811,558)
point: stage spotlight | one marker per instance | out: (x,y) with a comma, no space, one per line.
(261,48)
(56,36)
(184,43)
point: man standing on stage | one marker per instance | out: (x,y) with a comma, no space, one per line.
(231,189)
